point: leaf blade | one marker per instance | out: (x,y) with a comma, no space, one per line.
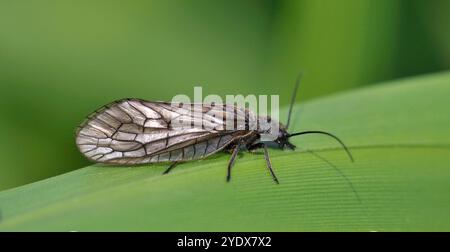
(397,133)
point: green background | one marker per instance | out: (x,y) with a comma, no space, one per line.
(61,60)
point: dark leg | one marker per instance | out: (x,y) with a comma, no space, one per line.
(252,148)
(269,165)
(232,159)
(170,167)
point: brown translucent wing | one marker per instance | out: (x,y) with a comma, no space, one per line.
(133,131)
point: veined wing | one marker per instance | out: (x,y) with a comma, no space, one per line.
(133,131)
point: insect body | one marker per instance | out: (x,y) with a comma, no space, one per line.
(134,131)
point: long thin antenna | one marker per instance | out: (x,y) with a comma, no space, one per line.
(324,133)
(294,95)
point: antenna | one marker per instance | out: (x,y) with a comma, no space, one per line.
(294,95)
(324,133)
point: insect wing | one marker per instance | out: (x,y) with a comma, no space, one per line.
(133,131)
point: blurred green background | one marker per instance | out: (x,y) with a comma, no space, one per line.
(60,60)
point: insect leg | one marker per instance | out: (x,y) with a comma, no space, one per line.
(231,162)
(252,148)
(269,164)
(172,165)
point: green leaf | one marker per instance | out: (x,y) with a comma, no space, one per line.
(398,133)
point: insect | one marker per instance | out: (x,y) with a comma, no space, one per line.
(135,131)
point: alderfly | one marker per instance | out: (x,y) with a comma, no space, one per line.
(134,131)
